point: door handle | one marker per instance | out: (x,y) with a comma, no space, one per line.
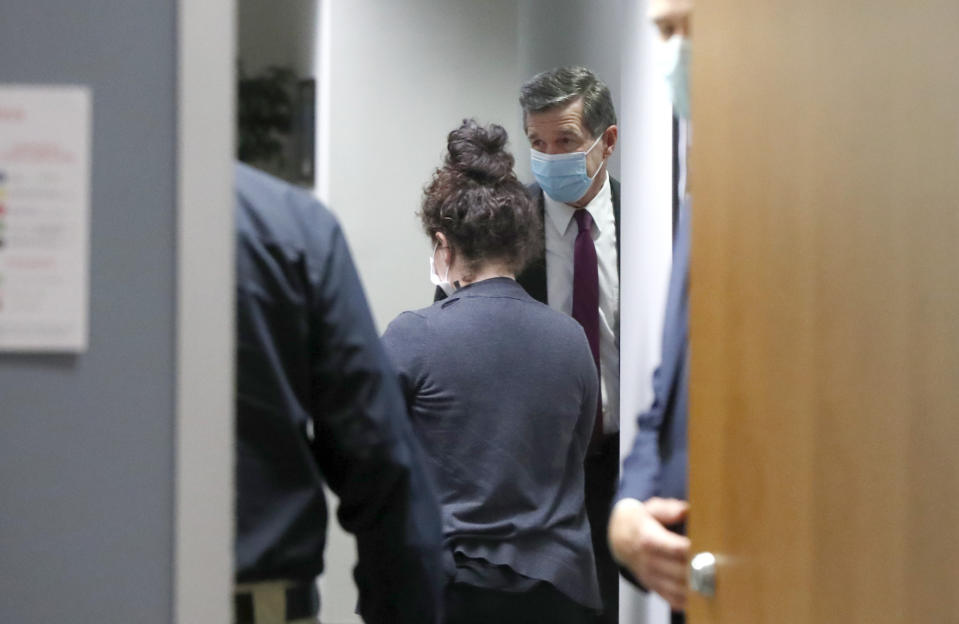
(702,574)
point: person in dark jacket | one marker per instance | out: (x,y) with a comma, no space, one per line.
(647,525)
(570,124)
(317,401)
(502,392)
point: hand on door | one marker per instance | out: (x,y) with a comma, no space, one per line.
(657,557)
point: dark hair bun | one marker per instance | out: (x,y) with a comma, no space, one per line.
(475,200)
(478,152)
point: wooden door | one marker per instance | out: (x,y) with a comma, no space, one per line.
(824,426)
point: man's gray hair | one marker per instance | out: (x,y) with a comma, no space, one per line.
(562,85)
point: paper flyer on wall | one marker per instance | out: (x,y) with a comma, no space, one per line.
(45,134)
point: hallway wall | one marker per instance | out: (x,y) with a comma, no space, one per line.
(86,441)
(403,74)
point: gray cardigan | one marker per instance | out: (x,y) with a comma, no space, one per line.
(502,393)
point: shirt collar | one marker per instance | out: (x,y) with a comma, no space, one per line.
(561,215)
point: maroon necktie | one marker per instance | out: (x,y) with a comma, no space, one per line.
(586,299)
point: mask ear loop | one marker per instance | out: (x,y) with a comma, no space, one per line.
(456,284)
(446,278)
(596,141)
(602,162)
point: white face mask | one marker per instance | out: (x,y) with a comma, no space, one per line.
(675,60)
(436,280)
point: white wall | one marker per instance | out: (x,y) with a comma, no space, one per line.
(402,75)
(205,398)
(646,144)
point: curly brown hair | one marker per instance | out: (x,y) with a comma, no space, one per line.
(477,202)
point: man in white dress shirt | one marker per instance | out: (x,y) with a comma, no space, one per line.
(570,122)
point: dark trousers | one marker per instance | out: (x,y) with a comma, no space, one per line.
(602,478)
(544,604)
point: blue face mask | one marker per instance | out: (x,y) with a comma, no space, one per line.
(676,71)
(563,176)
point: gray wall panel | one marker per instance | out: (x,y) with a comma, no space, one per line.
(86,442)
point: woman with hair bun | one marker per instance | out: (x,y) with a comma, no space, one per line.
(502,394)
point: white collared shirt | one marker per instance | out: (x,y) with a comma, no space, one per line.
(561,231)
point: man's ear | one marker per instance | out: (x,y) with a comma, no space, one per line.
(609,140)
(441,239)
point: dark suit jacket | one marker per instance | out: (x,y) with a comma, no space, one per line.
(533,277)
(318,401)
(657,464)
